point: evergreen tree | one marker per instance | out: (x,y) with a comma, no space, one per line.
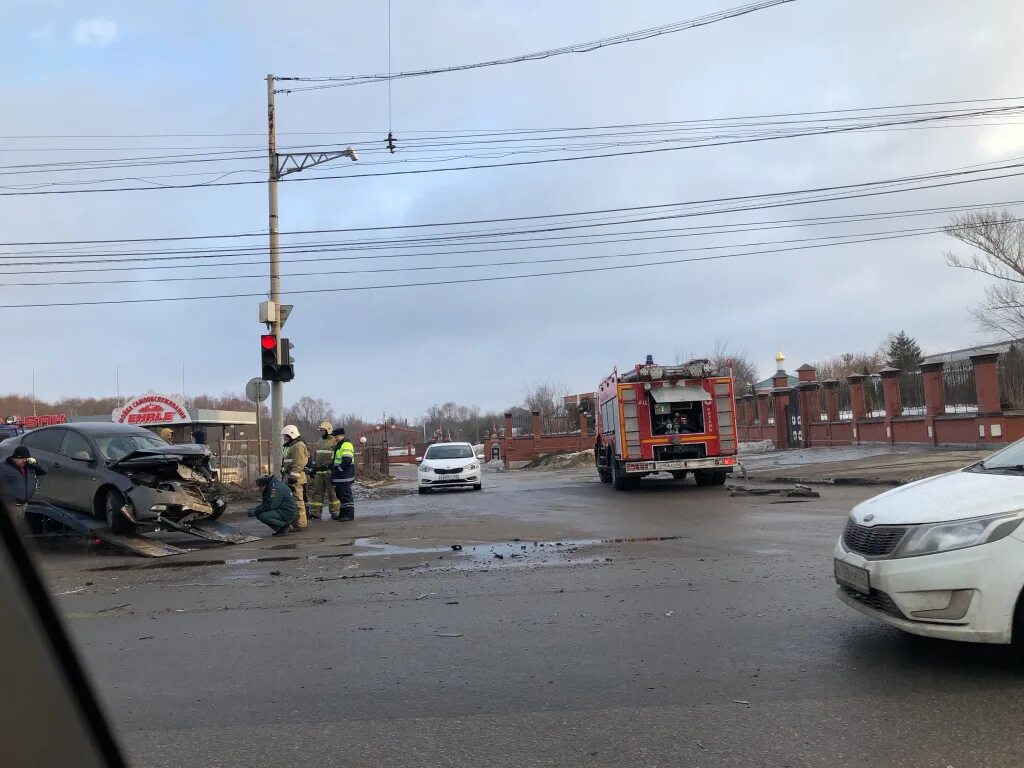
(903,352)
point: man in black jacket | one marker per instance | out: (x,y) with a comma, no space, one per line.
(19,478)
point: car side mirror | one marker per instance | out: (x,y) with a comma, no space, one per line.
(82,456)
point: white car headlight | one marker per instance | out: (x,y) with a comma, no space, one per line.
(945,537)
(472,467)
(425,468)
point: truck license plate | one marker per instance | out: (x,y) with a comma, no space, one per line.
(851,576)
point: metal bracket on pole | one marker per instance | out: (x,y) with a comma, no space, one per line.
(298,161)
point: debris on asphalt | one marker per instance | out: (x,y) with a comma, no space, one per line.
(448,634)
(740,701)
(797,491)
(147,637)
(498,555)
(456,547)
(452,602)
(275,573)
(69,592)
(426,595)
(670,613)
(113,608)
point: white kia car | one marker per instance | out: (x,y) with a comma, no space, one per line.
(450,465)
(942,557)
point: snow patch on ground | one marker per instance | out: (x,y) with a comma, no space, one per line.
(761,446)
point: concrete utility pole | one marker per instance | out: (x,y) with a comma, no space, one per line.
(281,164)
(276,387)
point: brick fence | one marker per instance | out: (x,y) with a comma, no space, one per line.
(523,448)
(770,414)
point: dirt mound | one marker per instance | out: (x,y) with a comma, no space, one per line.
(564,460)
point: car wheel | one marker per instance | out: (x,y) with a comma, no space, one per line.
(478,487)
(113,503)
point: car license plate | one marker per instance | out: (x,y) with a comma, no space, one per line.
(853,577)
(448,476)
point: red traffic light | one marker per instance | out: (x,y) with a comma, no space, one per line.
(268,341)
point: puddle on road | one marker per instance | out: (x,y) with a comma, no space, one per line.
(462,555)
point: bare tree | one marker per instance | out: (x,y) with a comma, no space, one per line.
(307,413)
(849,363)
(999,237)
(744,372)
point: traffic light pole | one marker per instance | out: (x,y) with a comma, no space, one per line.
(276,387)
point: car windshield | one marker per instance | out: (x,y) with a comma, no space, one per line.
(449,452)
(1010,458)
(114,447)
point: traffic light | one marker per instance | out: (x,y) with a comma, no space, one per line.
(286,371)
(268,355)
(276,367)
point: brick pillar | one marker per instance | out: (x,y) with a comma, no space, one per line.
(857,404)
(934,398)
(986,380)
(749,408)
(780,380)
(807,373)
(762,409)
(831,399)
(809,407)
(890,395)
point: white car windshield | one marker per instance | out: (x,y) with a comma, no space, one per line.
(1010,458)
(114,447)
(449,452)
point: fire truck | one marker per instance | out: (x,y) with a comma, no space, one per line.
(677,419)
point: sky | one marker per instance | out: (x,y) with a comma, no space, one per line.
(91,69)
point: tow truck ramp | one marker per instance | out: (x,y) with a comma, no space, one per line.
(137,543)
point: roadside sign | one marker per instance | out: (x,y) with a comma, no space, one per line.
(257,390)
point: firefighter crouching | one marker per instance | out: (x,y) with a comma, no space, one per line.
(343,474)
(277,506)
(293,469)
(323,460)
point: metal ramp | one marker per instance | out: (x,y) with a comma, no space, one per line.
(138,544)
(211,530)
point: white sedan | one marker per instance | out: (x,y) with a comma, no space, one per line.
(942,557)
(450,465)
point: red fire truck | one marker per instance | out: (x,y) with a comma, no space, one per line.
(656,418)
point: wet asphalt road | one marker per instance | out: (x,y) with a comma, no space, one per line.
(724,646)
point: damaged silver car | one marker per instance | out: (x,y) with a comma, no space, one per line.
(124,474)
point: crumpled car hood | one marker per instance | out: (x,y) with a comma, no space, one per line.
(172,454)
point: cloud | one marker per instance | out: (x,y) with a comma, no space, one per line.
(94,33)
(45,35)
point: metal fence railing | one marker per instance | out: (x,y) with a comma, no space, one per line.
(845,406)
(958,388)
(874,400)
(822,414)
(240,462)
(911,392)
(771,408)
(1011,379)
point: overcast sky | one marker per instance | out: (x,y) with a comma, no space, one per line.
(86,68)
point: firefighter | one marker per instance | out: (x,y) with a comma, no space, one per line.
(323,459)
(293,469)
(277,508)
(343,474)
(168,435)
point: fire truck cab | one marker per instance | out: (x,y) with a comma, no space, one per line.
(677,419)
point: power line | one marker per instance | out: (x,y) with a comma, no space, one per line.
(965,170)
(587,47)
(861,237)
(634,152)
(459,281)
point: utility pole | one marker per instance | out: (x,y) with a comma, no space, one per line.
(281,164)
(276,387)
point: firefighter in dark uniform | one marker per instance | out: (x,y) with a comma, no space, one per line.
(343,474)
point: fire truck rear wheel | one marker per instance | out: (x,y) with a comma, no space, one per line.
(679,474)
(620,480)
(709,477)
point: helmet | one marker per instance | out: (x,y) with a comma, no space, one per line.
(291,432)
(326,426)
(167,434)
